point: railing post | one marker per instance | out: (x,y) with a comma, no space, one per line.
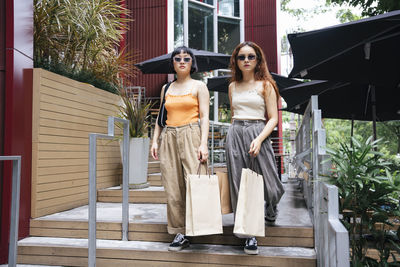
(92,200)
(212,148)
(125,184)
(92,185)
(15,198)
(331,237)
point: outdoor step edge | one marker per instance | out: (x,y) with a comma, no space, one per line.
(134,225)
(149,247)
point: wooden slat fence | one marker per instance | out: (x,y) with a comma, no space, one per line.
(64,113)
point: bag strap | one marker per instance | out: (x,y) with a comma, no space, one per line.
(165,90)
(252,163)
(198,170)
(162,107)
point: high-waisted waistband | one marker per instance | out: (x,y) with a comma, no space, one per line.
(190,125)
(246,122)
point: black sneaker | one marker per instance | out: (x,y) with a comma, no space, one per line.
(269,221)
(250,247)
(179,243)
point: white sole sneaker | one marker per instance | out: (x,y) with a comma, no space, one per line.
(178,248)
(251,251)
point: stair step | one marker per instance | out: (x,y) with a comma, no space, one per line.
(275,236)
(73,252)
(154,179)
(152,194)
(148,222)
(153,167)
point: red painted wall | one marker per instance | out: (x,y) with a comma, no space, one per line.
(18,112)
(261,27)
(148,37)
(2,85)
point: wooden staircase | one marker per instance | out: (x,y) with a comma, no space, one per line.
(61,238)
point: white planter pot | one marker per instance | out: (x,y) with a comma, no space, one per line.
(138,162)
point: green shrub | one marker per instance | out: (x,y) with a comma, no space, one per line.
(369,199)
(81,39)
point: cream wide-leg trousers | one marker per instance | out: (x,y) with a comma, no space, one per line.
(178,158)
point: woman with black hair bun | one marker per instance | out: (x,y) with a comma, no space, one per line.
(183,143)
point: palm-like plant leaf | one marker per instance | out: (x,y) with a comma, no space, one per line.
(82,36)
(137,114)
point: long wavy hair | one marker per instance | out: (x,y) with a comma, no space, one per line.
(261,72)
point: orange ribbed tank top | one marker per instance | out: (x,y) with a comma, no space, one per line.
(181,109)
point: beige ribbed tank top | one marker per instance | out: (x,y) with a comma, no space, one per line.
(248,105)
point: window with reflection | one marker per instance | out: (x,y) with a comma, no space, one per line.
(178,23)
(210,2)
(228,35)
(200,27)
(228,8)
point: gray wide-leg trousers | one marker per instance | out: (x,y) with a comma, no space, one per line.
(240,135)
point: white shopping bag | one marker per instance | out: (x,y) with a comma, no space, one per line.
(203,206)
(249,218)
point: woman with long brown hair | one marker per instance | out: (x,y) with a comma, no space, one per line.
(252,94)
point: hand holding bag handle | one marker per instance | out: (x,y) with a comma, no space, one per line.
(198,169)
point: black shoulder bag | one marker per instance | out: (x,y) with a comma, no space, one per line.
(162,114)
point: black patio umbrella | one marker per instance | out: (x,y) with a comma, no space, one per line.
(206,61)
(221,83)
(365,51)
(343,100)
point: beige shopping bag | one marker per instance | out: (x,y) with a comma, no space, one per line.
(249,218)
(203,207)
(224,191)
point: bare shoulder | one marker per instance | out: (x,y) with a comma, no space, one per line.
(200,88)
(163,89)
(231,86)
(200,85)
(268,88)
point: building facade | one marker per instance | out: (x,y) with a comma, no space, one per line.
(157,27)
(16,56)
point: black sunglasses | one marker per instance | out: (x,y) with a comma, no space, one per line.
(185,59)
(249,57)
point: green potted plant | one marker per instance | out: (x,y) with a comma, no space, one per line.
(137,113)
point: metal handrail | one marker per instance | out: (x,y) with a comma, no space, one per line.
(14,218)
(331,237)
(92,184)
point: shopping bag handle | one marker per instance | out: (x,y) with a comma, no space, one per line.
(198,170)
(252,164)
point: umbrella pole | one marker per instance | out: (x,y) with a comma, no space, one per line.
(352,130)
(373,102)
(352,125)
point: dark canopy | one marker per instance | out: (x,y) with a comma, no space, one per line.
(205,61)
(366,51)
(344,100)
(221,83)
